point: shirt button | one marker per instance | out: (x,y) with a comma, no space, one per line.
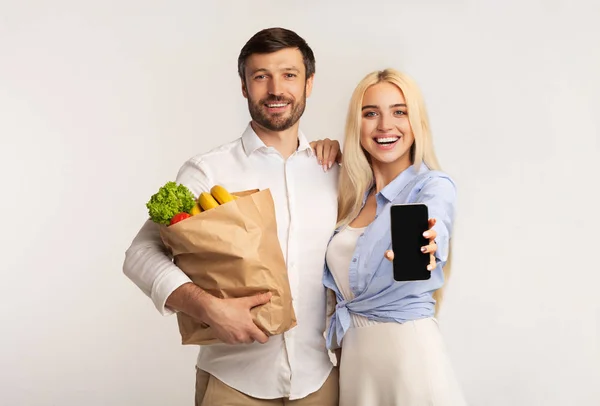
(353,259)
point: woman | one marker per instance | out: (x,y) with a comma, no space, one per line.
(392,351)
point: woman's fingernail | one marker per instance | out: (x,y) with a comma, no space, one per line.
(426,234)
(429,267)
(423,249)
(324,168)
(330,163)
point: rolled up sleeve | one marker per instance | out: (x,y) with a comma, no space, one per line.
(439,194)
(148,263)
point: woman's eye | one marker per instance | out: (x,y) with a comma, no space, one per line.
(370,114)
(400,113)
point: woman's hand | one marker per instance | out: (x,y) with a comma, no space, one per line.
(327,152)
(338,356)
(430,249)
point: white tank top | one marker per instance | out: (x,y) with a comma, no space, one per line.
(338,257)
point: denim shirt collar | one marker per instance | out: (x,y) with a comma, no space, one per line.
(391,191)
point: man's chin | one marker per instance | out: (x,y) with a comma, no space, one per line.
(276,125)
(275,121)
(278,128)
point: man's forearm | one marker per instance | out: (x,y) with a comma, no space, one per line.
(190,299)
(149,265)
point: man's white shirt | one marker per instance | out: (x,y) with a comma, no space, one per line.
(293,364)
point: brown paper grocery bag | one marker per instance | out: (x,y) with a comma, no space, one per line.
(233,251)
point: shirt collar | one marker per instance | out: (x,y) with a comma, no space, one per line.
(395,187)
(303,144)
(252,142)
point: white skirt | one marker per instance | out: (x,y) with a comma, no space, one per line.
(392,364)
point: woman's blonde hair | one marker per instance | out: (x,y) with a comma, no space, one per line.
(356,175)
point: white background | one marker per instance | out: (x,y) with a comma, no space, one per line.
(100,103)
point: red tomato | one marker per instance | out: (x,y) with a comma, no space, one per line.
(178,217)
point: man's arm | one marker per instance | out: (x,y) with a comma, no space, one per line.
(230,319)
(149,265)
(147,261)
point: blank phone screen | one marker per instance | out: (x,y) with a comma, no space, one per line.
(409,222)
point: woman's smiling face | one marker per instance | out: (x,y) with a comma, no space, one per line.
(386,134)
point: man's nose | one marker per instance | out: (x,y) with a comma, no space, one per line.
(275,87)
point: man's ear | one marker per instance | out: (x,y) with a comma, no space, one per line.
(309,84)
(244,90)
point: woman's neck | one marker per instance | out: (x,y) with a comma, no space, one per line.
(384,173)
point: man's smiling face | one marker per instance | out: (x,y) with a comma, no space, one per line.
(276,88)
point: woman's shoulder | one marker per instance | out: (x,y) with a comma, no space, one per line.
(434,177)
(432,183)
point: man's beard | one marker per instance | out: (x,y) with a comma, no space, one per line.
(279,121)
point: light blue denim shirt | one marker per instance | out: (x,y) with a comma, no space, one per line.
(377,295)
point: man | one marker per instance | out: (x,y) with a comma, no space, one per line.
(276,68)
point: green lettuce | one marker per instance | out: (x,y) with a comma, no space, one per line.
(168,201)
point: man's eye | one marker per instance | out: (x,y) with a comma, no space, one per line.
(260,77)
(290,75)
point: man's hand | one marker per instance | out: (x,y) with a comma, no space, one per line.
(230,319)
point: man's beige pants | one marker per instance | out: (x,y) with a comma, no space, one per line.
(212,392)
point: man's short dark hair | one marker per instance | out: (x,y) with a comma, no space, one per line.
(272,40)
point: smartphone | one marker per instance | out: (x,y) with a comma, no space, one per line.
(409,222)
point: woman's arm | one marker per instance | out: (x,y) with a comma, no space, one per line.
(439,194)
